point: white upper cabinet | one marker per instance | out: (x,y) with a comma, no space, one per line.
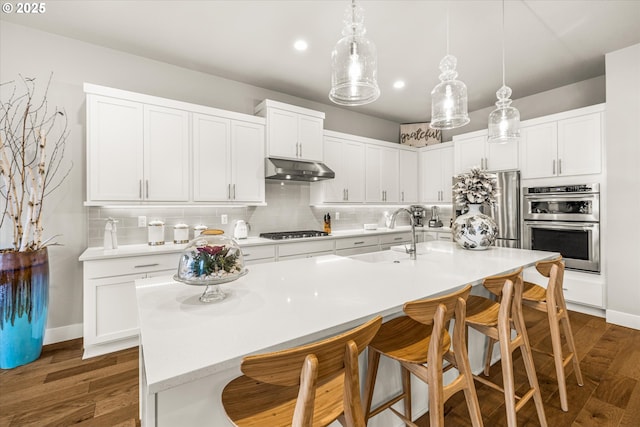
(247,161)
(228,160)
(211,158)
(292,132)
(114,149)
(436,172)
(564,144)
(382,173)
(166,154)
(473,150)
(136,152)
(148,149)
(408,176)
(346,158)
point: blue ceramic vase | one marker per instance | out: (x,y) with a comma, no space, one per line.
(24,300)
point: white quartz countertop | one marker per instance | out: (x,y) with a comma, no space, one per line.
(278,305)
(97,253)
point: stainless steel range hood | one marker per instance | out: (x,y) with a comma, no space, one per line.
(296,170)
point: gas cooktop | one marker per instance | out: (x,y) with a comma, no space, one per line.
(281,235)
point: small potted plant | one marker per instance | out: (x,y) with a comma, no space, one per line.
(32,148)
(475,230)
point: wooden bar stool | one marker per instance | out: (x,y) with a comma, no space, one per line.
(420,338)
(551,300)
(310,385)
(496,320)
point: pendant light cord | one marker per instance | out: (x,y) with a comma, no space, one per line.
(503,72)
(447,28)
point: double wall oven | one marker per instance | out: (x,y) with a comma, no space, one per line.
(564,219)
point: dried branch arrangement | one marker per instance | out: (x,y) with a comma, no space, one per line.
(32,148)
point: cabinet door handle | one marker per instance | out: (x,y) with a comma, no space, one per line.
(301,149)
(347,194)
(559,166)
(228,191)
(146,265)
(554,168)
(234,191)
(344,194)
(402,196)
(140,190)
(147,187)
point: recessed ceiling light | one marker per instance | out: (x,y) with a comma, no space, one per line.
(398,84)
(300,45)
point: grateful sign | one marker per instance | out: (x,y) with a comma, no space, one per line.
(419,135)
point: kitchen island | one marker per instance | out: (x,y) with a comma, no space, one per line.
(190,350)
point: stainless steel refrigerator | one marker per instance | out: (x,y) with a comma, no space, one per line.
(506,210)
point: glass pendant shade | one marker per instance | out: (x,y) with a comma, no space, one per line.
(449,98)
(504,121)
(354,64)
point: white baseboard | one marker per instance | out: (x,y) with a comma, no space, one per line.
(623,319)
(586,309)
(63,333)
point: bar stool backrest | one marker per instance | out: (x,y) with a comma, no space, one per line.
(283,367)
(424,310)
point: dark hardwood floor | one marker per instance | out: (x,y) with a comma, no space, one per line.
(61,389)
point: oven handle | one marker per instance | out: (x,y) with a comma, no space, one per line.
(561,225)
(561,197)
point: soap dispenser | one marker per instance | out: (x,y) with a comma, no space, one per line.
(110,234)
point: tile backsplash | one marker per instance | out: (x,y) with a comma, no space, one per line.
(287,210)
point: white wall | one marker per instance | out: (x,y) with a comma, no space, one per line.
(623,183)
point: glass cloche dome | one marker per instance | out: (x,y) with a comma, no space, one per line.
(208,260)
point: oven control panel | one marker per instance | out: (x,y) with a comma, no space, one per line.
(581,188)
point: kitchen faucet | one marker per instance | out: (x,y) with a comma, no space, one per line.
(392,224)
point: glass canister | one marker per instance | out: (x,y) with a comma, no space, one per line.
(180,233)
(210,260)
(198,229)
(155,233)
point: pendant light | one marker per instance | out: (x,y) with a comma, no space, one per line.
(449,97)
(504,121)
(354,63)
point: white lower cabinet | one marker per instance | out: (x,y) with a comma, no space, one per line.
(388,240)
(433,235)
(110,315)
(308,249)
(579,288)
(357,245)
(259,254)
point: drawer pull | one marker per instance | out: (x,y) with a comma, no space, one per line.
(358,243)
(397,238)
(565,289)
(246,254)
(146,265)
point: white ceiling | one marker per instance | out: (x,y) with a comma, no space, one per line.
(548,43)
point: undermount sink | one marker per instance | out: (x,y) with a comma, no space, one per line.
(388,257)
